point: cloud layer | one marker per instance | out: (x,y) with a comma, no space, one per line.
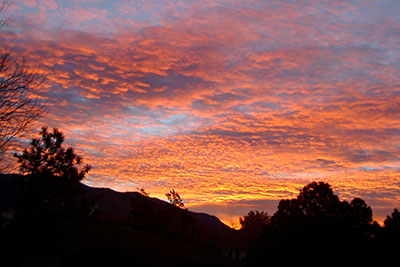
(229,102)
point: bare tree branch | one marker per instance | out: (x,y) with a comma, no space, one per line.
(19,103)
(3,7)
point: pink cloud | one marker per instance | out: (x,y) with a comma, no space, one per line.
(238,103)
(30,3)
(48,4)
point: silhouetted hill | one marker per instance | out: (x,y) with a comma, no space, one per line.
(120,229)
(210,221)
(119,205)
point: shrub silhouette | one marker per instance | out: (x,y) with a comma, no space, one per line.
(174,198)
(143,192)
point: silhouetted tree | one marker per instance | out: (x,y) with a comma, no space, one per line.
(174,198)
(52,205)
(316,203)
(47,157)
(392,225)
(143,192)
(316,220)
(393,221)
(255,220)
(359,218)
(315,199)
(19,103)
(253,225)
(387,240)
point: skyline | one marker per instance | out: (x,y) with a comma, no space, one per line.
(234,104)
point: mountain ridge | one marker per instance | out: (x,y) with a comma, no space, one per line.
(118,204)
(146,230)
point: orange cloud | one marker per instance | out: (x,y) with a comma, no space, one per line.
(240,105)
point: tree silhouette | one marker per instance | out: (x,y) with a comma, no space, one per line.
(47,157)
(318,221)
(52,205)
(255,220)
(253,225)
(19,102)
(174,198)
(359,218)
(393,220)
(387,240)
(392,224)
(315,199)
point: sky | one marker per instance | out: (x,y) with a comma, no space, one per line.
(234,104)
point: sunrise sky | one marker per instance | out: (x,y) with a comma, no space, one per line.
(234,104)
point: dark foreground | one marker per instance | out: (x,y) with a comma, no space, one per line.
(47,223)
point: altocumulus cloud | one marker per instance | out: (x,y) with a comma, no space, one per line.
(217,97)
